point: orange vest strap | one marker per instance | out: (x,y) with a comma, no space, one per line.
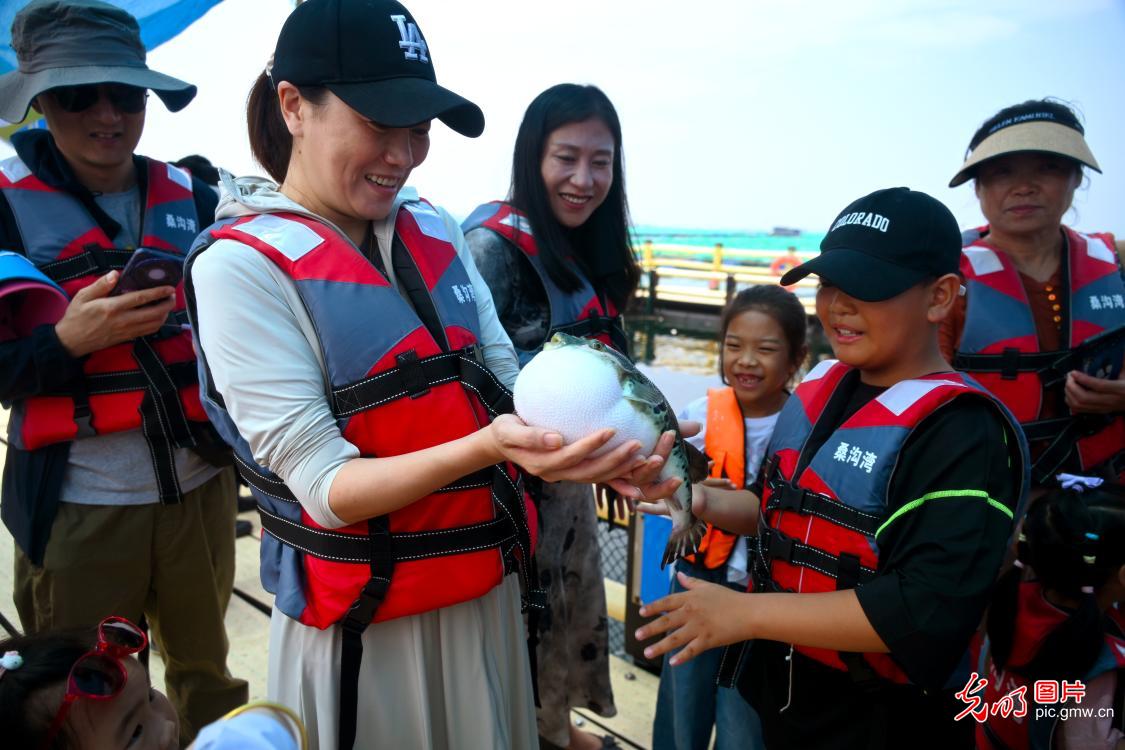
(724,442)
(725,438)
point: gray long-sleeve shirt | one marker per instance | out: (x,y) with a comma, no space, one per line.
(262,350)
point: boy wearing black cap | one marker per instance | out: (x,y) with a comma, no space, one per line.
(116,490)
(890,491)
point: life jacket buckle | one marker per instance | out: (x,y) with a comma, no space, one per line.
(83,415)
(413,377)
(362,611)
(780,546)
(790,497)
(1009,363)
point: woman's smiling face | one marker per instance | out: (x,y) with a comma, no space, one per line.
(577,170)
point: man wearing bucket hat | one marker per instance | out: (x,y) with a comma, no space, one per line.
(1042,325)
(115,487)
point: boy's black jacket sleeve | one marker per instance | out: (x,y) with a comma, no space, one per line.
(939,558)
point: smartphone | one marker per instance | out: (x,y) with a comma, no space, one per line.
(148,268)
(1104,362)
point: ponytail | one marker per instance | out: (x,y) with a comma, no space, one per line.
(270,140)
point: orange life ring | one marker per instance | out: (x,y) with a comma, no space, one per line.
(783,263)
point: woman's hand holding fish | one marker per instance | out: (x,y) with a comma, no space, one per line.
(643,484)
(705,616)
(541,452)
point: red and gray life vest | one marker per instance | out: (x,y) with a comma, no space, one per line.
(404,376)
(582,313)
(149,383)
(1036,620)
(817,531)
(1000,348)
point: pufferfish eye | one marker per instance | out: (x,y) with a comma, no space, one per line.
(595,344)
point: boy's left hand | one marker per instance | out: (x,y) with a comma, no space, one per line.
(705,616)
(1085,393)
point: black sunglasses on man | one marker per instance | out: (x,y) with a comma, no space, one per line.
(74,99)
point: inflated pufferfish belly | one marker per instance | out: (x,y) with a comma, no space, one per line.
(575,393)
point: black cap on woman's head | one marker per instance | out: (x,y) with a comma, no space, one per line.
(372,55)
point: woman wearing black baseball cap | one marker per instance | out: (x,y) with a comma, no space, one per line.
(1043,323)
(354,360)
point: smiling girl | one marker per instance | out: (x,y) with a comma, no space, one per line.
(762,344)
(557,257)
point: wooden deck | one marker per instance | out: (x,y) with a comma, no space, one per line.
(708,277)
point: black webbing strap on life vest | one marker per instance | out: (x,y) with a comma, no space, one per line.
(183,375)
(774,545)
(1009,363)
(1051,367)
(731,663)
(336,546)
(786,497)
(358,617)
(1063,434)
(413,377)
(94,259)
(163,421)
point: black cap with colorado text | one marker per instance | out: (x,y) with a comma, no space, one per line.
(372,55)
(885,243)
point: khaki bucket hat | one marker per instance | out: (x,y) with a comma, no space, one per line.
(78,42)
(1036,131)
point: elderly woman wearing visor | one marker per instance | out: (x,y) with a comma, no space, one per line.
(1043,322)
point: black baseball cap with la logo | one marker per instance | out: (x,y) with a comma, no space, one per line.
(884,243)
(372,55)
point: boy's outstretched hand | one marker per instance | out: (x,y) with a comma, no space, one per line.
(705,616)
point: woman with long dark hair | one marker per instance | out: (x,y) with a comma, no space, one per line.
(1042,325)
(557,257)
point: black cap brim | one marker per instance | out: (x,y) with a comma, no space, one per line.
(857,274)
(402,102)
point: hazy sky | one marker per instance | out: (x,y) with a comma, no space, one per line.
(736,113)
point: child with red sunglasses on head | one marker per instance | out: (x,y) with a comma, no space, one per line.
(78,689)
(73,690)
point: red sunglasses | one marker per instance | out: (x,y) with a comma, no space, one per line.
(99,675)
(74,99)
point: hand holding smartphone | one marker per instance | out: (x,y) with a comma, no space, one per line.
(148,268)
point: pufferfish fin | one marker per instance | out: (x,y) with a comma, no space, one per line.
(643,392)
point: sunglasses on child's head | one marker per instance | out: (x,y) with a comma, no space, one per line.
(75,99)
(99,674)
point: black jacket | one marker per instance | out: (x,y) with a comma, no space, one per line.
(32,480)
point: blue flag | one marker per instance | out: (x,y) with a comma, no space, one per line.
(160,20)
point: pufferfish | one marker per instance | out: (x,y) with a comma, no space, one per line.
(577,386)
